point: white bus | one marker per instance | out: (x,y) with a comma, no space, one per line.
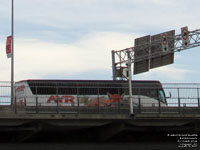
(88,93)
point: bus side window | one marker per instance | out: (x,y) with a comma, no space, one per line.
(137,91)
(153,93)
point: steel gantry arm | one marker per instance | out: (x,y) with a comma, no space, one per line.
(120,57)
(194,41)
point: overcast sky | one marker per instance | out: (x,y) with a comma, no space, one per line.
(73,39)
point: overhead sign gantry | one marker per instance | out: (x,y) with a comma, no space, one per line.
(152,51)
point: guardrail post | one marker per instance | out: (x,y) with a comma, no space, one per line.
(139,102)
(57,99)
(36,100)
(99,109)
(159,103)
(119,111)
(198,99)
(159,109)
(15,100)
(78,102)
(139,99)
(179,105)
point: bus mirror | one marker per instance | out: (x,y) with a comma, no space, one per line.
(170,95)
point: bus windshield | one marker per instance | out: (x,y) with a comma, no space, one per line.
(162,96)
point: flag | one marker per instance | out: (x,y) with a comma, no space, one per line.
(8,46)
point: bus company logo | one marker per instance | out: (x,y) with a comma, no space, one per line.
(102,101)
(61,99)
(20,88)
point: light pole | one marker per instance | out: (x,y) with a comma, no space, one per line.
(130,83)
(12,54)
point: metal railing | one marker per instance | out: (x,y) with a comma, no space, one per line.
(181,99)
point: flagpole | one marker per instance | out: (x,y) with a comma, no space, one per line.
(12,55)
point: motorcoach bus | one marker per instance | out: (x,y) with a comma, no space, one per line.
(88,93)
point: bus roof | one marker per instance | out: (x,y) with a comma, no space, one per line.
(137,83)
(58,80)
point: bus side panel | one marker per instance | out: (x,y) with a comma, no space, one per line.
(75,100)
(146,101)
(26,98)
(23,94)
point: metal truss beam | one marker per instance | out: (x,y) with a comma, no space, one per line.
(120,57)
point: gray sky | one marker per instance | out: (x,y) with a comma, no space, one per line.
(73,39)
